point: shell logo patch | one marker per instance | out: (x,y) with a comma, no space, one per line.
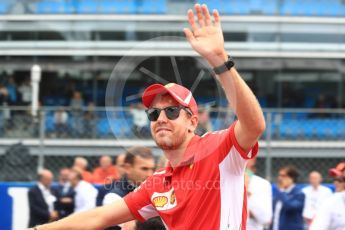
(160,201)
(164,201)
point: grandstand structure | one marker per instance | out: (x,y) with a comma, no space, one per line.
(289,51)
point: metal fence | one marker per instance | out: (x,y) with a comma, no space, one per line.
(308,139)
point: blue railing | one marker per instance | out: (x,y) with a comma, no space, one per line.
(229,7)
(119,122)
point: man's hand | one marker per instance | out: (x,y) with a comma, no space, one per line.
(66,200)
(206,37)
(53,216)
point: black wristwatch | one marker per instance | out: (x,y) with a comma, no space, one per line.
(225,67)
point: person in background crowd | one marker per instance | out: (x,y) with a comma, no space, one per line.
(80,164)
(315,194)
(337,174)
(90,121)
(12,91)
(76,105)
(65,195)
(41,200)
(331,214)
(204,123)
(106,172)
(339,184)
(259,199)
(120,167)
(77,101)
(3,102)
(139,165)
(338,170)
(140,122)
(120,164)
(61,122)
(85,193)
(3,94)
(25,91)
(288,201)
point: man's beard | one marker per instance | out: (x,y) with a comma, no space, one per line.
(171,144)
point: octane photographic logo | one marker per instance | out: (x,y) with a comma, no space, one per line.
(117,99)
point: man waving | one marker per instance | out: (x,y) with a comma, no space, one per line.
(203,185)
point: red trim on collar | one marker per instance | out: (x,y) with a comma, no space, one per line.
(188,156)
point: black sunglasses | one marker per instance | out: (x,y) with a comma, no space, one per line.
(172,112)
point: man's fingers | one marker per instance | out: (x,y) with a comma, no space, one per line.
(189,34)
(216,18)
(191,20)
(206,15)
(199,15)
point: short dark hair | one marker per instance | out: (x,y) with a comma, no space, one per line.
(291,172)
(340,179)
(140,151)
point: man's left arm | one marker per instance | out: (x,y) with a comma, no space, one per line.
(206,38)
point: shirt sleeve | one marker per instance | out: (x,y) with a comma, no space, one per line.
(308,211)
(251,154)
(322,218)
(111,198)
(226,148)
(225,140)
(139,202)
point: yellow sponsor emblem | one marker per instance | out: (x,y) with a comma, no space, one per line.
(160,201)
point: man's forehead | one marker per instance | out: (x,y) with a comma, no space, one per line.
(141,160)
(165,99)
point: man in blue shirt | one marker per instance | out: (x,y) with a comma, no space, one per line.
(288,201)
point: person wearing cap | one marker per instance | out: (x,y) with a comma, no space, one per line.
(338,174)
(203,185)
(331,215)
(338,170)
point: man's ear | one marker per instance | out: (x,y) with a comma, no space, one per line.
(193,124)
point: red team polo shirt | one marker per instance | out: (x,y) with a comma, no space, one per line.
(205,192)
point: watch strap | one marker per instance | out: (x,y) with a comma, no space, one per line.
(226,66)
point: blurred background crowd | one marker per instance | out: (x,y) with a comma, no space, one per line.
(286,204)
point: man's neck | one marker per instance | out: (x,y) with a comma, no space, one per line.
(175,156)
(315,187)
(42,186)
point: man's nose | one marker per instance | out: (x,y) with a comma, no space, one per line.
(162,117)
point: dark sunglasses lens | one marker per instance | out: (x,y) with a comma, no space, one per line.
(153,114)
(172,112)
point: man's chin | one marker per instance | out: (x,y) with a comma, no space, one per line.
(165,145)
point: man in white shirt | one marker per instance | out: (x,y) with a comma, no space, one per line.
(315,195)
(331,215)
(259,195)
(85,193)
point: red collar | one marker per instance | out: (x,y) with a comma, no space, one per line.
(188,157)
